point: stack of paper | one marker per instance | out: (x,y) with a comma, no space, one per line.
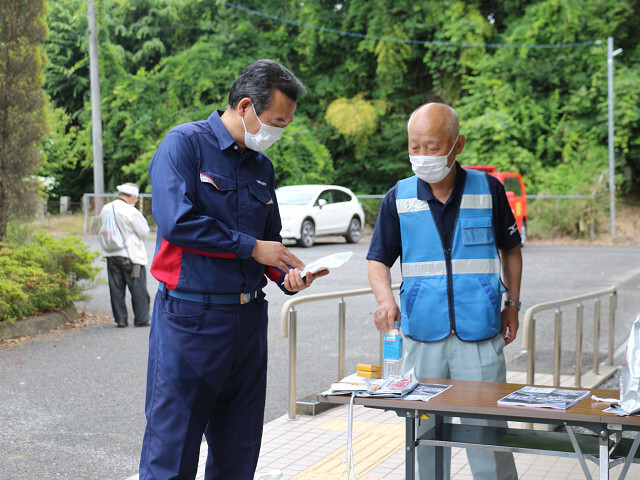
(354,383)
(397,387)
(549,397)
(375,387)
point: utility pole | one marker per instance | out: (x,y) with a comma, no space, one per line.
(612,171)
(96,112)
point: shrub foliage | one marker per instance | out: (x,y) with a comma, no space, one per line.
(42,274)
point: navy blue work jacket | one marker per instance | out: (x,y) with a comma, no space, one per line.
(211,204)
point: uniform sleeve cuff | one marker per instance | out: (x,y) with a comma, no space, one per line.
(247,244)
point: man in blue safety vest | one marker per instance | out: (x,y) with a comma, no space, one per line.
(218,238)
(454,233)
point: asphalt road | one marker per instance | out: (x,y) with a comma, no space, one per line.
(72,401)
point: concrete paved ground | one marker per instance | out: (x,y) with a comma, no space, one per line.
(71,402)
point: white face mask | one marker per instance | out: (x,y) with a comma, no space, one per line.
(430,168)
(266,136)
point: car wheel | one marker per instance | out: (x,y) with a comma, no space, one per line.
(354,232)
(523,233)
(307,233)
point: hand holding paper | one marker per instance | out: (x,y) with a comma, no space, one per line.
(330,261)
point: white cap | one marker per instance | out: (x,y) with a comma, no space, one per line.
(128,189)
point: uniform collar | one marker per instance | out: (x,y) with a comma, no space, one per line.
(424,191)
(220,130)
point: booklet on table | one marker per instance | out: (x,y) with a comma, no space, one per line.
(549,397)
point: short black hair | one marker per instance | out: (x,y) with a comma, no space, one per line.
(258,80)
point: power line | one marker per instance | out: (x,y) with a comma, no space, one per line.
(401,40)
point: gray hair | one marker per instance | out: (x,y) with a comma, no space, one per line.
(452,122)
(258,80)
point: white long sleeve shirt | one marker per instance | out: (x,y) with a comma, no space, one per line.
(134,229)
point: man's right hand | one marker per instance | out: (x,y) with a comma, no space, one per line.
(386,315)
(276,255)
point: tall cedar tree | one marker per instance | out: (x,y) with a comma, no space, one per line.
(22,100)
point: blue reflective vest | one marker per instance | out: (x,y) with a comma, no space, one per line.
(457,291)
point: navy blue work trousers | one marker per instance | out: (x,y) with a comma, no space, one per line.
(207,374)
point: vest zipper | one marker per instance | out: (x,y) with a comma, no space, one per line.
(447,259)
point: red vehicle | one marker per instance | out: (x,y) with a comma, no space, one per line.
(516,194)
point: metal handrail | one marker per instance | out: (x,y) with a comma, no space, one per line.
(288,328)
(289,320)
(528,328)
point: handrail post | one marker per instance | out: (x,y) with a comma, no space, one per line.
(85,211)
(293,322)
(596,337)
(612,320)
(557,348)
(341,336)
(579,317)
(531,361)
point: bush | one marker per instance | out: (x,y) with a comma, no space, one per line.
(575,217)
(371,207)
(41,274)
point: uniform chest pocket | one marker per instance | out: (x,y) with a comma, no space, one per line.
(262,205)
(219,182)
(477,230)
(261,194)
(217,197)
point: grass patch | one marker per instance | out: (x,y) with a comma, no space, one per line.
(61,224)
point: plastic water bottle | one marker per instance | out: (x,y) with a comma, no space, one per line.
(392,354)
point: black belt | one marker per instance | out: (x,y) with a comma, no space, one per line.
(221,299)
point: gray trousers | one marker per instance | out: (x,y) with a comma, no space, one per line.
(122,275)
(458,360)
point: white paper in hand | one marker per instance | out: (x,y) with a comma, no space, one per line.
(330,261)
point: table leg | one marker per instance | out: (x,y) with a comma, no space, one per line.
(578,450)
(603,454)
(630,456)
(410,445)
(439,451)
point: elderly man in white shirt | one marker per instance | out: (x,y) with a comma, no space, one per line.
(126,266)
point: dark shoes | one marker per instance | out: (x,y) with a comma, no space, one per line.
(125,324)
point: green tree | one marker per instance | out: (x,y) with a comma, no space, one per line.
(22,100)
(540,110)
(164,62)
(67,84)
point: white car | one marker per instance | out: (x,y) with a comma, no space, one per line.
(309,211)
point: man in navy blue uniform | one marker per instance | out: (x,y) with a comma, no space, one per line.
(218,238)
(454,233)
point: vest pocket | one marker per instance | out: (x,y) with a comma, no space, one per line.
(477,306)
(476,230)
(426,310)
(491,293)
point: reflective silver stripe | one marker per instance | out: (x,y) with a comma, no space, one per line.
(431,269)
(476,201)
(481,265)
(423,269)
(407,205)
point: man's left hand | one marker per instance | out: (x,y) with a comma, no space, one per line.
(510,324)
(294,282)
